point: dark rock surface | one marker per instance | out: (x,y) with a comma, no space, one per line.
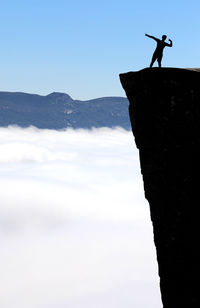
(59,110)
(165,117)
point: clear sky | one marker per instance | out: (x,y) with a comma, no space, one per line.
(80,46)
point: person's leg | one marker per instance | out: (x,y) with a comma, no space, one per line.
(159,61)
(153,60)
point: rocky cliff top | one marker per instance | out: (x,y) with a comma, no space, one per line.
(164,103)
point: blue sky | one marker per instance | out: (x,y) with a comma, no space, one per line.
(79,47)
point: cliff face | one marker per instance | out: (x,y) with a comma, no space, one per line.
(165,117)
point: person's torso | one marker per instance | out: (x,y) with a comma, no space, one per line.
(160,46)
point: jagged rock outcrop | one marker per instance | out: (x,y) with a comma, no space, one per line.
(165,117)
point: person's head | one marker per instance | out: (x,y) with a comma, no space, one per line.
(164,37)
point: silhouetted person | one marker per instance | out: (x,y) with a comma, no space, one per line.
(158,53)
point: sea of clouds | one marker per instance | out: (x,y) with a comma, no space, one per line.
(75,229)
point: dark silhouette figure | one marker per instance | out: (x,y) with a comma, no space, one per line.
(158,53)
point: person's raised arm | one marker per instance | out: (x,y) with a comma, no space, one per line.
(170,43)
(152,37)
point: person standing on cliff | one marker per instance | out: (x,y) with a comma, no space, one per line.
(158,53)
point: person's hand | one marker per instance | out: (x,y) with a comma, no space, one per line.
(169,40)
(146,34)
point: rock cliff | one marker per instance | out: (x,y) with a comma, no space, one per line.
(165,116)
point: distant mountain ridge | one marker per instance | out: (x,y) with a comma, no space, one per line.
(59,110)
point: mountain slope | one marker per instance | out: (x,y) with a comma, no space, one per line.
(59,110)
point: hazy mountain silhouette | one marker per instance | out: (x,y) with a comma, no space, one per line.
(59,110)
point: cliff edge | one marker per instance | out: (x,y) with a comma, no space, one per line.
(165,117)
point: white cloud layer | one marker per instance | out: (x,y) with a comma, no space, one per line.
(75,229)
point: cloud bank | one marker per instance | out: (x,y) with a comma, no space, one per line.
(75,229)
